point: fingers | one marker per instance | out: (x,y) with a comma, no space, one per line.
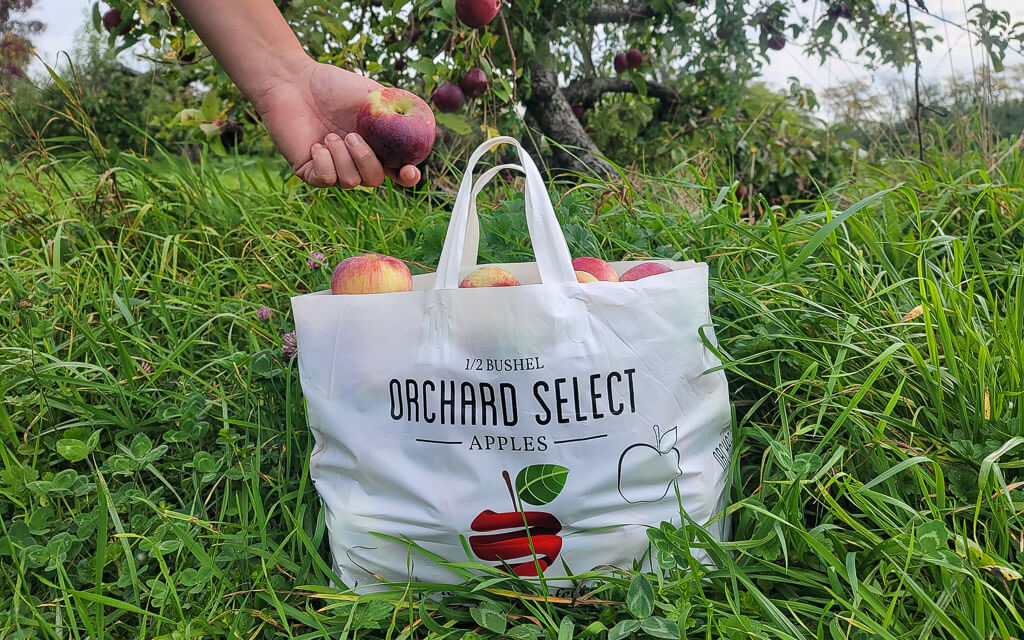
(320,171)
(365,160)
(409,176)
(348,174)
(349,162)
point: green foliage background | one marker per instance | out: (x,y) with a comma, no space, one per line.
(155,451)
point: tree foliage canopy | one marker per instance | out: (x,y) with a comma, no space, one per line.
(549,62)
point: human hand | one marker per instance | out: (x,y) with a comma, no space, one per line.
(311,117)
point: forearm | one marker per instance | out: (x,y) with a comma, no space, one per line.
(249,38)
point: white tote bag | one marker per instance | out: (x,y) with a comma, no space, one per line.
(546,425)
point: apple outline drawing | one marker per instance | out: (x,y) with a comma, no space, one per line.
(665,446)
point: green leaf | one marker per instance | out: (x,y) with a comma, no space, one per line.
(932,536)
(211,106)
(529,48)
(65,479)
(805,463)
(891,471)
(425,66)
(204,462)
(458,124)
(660,628)
(565,629)
(539,484)
(593,629)
(262,362)
(36,556)
(640,597)
(140,446)
(72,450)
(640,83)
(490,616)
(623,629)
(525,632)
(209,129)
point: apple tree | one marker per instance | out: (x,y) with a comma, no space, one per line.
(551,65)
(15,45)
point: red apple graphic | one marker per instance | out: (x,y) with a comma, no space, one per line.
(525,542)
(646,472)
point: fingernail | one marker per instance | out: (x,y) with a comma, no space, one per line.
(318,146)
(333,137)
(354,139)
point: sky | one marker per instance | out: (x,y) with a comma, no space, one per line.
(956,55)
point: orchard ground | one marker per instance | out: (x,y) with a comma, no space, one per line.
(155,446)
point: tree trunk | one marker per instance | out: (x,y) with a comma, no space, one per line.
(573,148)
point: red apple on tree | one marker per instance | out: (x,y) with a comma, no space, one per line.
(112,19)
(473,83)
(621,63)
(399,126)
(634,58)
(476,13)
(448,97)
(412,34)
(840,10)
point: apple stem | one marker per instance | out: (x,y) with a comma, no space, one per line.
(657,435)
(511,491)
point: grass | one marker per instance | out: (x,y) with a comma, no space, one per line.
(155,448)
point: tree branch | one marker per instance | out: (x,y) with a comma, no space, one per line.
(620,13)
(587,92)
(548,106)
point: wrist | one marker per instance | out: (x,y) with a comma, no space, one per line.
(285,71)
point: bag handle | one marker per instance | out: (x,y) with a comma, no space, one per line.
(471,248)
(549,247)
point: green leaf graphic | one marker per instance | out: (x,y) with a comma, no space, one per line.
(539,484)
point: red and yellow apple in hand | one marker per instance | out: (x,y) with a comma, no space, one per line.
(399,126)
(311,116)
